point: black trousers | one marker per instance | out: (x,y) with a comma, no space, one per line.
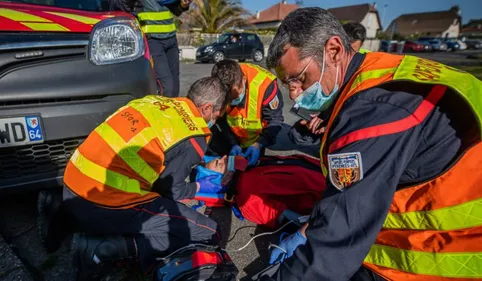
(165,53)
(220,144)
(158,227)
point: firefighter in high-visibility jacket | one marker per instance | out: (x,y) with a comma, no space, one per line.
(402,154)
(114,181)
(255,115)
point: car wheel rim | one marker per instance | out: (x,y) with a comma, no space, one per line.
(219,57)
(258,56)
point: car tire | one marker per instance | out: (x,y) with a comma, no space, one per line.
(258,56)
(205,61)
(218,56)
(242,60)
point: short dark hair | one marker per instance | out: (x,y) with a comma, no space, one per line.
(355,31)
(208,89)
(229,72)
(307,29)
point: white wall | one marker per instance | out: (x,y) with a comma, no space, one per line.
(187,52)
(452,31)
(371,45)
(370,22)
(263,25)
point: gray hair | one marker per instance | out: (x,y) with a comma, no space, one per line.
(208,89)
(307,29)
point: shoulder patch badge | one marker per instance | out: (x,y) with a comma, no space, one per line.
(345,169)
(273,104)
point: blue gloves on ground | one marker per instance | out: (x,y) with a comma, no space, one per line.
(252,154)
(236,150)
(209,184)
(289,246)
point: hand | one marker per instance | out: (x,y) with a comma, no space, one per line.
(313,124)
(185,3)
(236,150)
(206,185)
(252,154)
(289,246)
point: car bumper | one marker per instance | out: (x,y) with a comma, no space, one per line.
(204,56)
(70,107)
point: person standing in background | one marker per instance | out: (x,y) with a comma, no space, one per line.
(157,22)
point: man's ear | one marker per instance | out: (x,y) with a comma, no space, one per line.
(205,109)
(334,49)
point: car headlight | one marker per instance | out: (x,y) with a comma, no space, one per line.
(208,49)
(116,40)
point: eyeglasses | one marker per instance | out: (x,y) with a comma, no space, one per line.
(297,80)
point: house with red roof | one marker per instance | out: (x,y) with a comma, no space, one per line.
(272,17)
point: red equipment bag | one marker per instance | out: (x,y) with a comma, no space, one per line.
(278,183)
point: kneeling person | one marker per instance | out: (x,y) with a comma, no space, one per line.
(255,115)
(113,180)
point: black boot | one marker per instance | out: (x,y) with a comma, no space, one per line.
(92,255)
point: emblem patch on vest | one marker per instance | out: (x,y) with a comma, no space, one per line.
(345,169)
(273,104)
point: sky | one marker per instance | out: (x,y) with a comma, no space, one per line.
(471,9)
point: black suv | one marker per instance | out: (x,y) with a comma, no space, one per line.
(64,67)
(241,46)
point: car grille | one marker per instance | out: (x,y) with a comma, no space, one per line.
(34,159)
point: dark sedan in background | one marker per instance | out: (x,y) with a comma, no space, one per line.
(241,46)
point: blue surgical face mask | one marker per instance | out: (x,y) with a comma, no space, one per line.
(314,98)
(211,120)
(240,98)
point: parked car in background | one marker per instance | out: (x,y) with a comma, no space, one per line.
(413,47)
(438,45)
(65,66)
(384,45)
(462,45)
(241,46)
(452,46)
(473,44)
(455,45)
(426,46)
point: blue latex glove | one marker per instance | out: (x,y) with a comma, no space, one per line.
(206,184)
(252,154)
(289,245)
(236,150)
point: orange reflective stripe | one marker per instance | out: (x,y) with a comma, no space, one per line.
(128,122)
(412,120)
(96,149)
(432,195)
(435,241)
(100,193)
(150,154)
(395,275)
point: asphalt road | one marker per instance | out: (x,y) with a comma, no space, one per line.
(18,214)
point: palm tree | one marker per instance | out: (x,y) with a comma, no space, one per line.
(216,16)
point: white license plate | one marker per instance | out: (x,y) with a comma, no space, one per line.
(198,53)
(20,131)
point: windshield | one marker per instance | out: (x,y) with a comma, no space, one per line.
(86,5)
